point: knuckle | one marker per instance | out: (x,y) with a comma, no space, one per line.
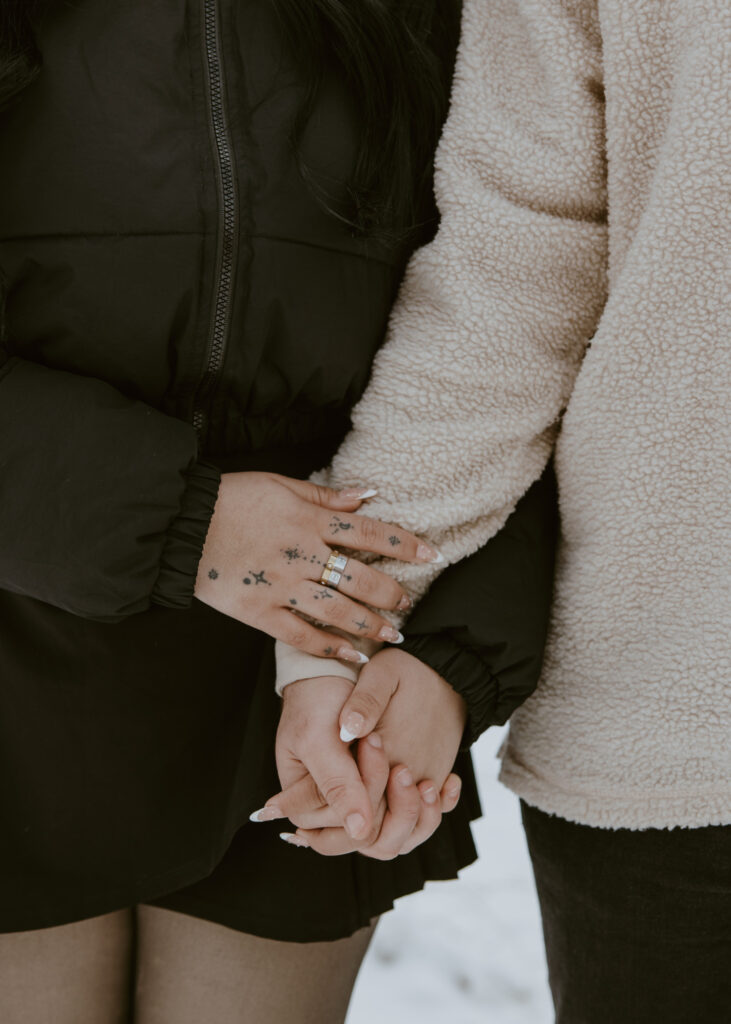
(324,495)
(334,791)
(297,636)
(365,703)
(367,586)
(371,530)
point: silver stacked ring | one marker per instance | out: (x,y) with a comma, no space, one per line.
(334,569)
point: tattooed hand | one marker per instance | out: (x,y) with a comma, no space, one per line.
(269,540)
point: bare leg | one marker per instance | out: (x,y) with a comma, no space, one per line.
(190,970)
(74,974)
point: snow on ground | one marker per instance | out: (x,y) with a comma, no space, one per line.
(470,951)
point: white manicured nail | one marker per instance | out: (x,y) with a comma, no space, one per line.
(354,494)
(426,554)
(266,814)
(350,654)
(391,635)
(294,840)
(352,727)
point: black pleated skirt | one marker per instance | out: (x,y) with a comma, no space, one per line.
(131,756)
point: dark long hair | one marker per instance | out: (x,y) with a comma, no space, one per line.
(385,52)
(19,57)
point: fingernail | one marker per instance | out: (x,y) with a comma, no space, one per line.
(294,840)
(358,493)
(352,727)
(404,604)
(426,554)
(355,826)
(375,740)
(405,778)
(430,796)
(350,654)
(454,791)
(266,814)
(391,635)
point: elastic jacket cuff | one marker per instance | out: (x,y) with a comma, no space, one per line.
(185,538)
(466,672)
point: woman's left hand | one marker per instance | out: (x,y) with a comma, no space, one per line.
(415,721)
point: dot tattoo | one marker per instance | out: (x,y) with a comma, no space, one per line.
(247,581)
(292,601)
(328,650)
(213,574)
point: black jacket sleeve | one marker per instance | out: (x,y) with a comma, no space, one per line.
(104,506)
(482,625)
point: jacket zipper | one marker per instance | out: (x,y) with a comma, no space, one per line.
(227,214)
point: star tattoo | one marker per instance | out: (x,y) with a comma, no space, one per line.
(260,577)
(362,624)
(213,575)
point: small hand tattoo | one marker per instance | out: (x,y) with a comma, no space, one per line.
(213,575)
(394,541)
(292,554)
(324,595)
(328,650)
(259,577)
(292,601)
(337,525)
(247,581)
(362,624)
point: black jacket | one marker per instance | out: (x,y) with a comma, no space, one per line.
(177,303)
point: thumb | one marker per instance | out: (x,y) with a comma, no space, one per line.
(347,500)
(337,778)
(363,709)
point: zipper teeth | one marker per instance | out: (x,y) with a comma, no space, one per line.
(227,199)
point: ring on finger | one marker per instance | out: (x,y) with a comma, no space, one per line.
(334,569)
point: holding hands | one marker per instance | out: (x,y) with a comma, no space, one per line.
(364,769)
(385,794)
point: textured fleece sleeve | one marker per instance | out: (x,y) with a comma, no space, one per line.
(493,316)
(482,625)
(104,507)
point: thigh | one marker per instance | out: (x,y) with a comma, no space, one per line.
(637,923)
(73,974)
(190,969)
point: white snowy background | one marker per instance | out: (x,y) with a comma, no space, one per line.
(469,951)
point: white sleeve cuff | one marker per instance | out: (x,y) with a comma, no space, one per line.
(293,664)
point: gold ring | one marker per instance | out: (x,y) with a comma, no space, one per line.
(334,569)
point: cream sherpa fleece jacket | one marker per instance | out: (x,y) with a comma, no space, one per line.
(583,180)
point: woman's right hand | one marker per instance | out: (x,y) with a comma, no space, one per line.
(268,542)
